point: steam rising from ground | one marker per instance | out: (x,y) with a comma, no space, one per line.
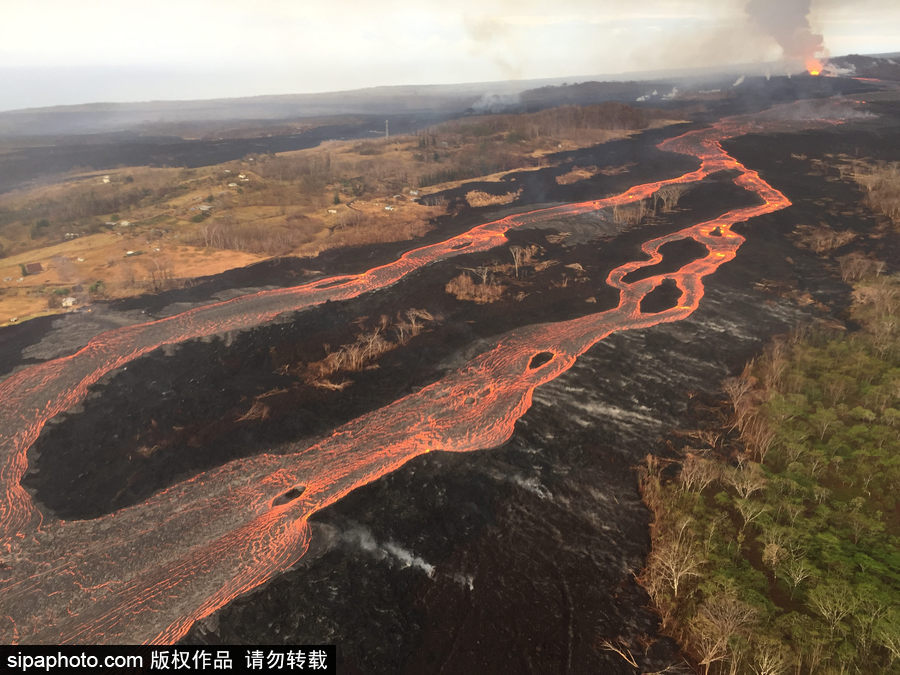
(804,112)
(496,103)
(398,556)
(360,536)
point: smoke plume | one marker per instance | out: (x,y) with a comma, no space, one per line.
(788,22)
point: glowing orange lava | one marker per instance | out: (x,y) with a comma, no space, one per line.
(147,572)
(813,66)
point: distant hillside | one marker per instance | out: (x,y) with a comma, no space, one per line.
(278,114)
(882,66)
(741,93)
(164,117)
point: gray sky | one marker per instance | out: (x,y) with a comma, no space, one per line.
(75,51)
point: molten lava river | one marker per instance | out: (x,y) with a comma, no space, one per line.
(146,573)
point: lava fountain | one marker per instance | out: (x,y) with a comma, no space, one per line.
(814,66)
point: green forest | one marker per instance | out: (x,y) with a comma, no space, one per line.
(775,541)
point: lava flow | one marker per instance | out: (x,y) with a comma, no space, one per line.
(147,572)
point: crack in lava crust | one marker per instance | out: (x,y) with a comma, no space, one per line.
(146,573)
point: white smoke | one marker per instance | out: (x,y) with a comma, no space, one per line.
(361,537)
(533,485)
(832,69)
(409,559)
(465,580)
(496,103)
(788,22)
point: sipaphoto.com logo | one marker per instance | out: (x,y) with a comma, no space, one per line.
(183,659)
(69,662)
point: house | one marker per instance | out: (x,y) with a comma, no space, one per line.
(69,301)
(33,268)
(204,207)
(388,208)
(332,210)
(105,180)
(232,185)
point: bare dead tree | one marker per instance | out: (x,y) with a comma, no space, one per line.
(856,266)
(697,473)
(649,478)
(481,272)
(719,618)
(517,254)
(677,559)
(621,649)
(708,437)
(750,510)
(758,436)
(796,571)
(746,480)
(738,389)
(769,658)
(668,196)
(887,634)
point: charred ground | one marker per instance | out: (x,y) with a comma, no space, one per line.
(520,556)
(497,526)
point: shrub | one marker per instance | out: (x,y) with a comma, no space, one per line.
(463,287)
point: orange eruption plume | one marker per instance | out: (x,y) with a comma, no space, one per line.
(147,572)
(813,66)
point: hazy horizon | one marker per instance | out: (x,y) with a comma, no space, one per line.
(154,80)
(60,53)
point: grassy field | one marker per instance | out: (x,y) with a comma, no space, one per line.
(107,265)
(132,230)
